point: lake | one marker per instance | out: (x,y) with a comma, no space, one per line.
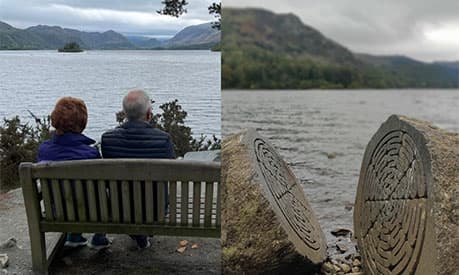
(35,80)
(306,126)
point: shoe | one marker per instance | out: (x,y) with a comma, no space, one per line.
(99,241)
(75,240)
(142,242)
(144,245)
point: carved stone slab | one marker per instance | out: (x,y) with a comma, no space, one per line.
(264,206)
(395,211)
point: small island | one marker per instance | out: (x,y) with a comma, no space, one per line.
(71,47)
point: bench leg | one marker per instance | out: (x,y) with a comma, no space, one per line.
(38,247)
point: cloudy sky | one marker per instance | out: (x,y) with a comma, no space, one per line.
(125,16)
(423,29)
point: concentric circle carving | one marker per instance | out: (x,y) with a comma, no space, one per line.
(288,196)
(392,205)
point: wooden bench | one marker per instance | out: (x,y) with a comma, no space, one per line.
(119,196)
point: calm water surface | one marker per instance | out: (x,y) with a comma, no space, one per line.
(306,126)
(34,80)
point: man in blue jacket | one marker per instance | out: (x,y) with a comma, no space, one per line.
(136,138)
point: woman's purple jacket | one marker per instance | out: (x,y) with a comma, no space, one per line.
(68,146)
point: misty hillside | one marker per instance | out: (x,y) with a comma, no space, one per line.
(264,50)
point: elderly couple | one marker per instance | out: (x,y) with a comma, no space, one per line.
(136,138)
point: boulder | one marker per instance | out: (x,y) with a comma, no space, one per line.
(406,217)
(268,226)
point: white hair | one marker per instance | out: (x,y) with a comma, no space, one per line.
(136,104)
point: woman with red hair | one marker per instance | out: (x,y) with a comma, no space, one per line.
(69,118)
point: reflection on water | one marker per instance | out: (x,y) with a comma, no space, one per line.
(323,134)
(34,80)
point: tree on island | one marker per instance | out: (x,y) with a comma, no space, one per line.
(71,47)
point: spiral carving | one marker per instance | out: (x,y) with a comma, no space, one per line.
(287,195)
(392,204)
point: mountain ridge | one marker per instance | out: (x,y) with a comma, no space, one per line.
(44,37)
(265,50)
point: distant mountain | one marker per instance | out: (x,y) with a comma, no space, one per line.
(144,42)
(198,36)
(449,64)
(53,37)
(56,36)
(12,38)
(264,50)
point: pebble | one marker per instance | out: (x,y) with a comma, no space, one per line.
(344,267)
(331,155)
(4,271)
(348,206)
(4,260)
(341,232)
(337,268)
(356,262)
(327,267)
(11,242)
(341,247)
(355,269)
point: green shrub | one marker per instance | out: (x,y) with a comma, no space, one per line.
(19,142)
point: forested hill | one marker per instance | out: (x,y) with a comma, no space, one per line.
(264,50)
(44,37)
(53,37)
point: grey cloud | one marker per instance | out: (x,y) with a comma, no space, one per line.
(138,16)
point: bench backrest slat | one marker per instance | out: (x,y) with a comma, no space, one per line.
(126,205)
(131,192)
(161,201)
(57,200)
(129,169)
(208,204)
(173,202)
(80,198)
(47,199)
(184,203)
(196,203)
(103,201)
